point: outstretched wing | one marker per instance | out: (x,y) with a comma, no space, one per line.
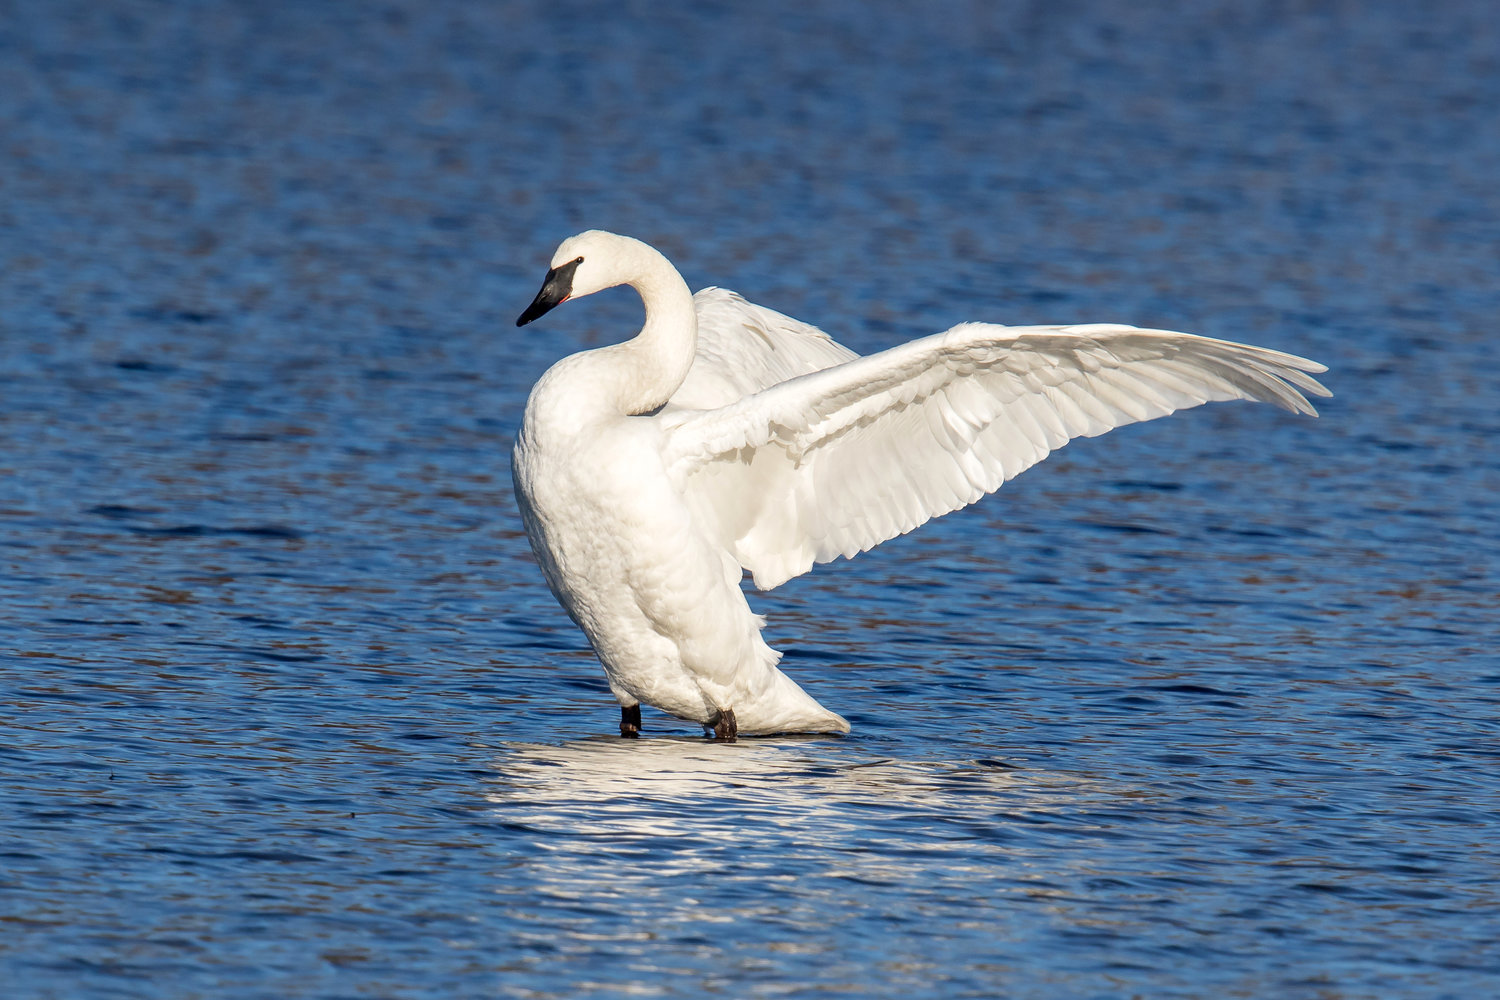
(744,348)
(835,462)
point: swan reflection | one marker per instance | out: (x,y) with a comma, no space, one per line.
(678,787)
(623,845)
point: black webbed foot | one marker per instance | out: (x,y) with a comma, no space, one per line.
(630,721)
(725,728)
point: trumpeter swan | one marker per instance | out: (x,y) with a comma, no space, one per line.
(726,436)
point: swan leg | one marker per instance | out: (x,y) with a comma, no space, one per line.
(630,720)
(725,728)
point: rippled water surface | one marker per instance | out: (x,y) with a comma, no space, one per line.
(1202,708)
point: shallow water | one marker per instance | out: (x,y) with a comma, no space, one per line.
(1206,707)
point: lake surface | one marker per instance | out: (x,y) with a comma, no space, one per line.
(1208,707)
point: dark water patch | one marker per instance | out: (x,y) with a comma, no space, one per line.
(170,314)
(121,512)
(273,531)
(1147,485)
(141,365)
(245,438)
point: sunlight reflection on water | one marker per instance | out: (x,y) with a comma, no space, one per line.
(638,787)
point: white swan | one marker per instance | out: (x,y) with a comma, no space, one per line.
(726,435)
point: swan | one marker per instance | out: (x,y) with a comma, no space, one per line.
(726,437)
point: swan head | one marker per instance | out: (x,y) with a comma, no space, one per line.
(584,264)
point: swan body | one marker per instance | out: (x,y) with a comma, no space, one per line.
(727,437)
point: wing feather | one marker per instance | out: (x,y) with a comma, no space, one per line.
(837,459)
(744,348)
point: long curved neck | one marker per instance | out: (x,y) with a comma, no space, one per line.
(654,363)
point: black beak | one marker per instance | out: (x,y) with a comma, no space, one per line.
(555,291)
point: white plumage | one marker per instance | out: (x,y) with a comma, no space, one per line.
(726,435)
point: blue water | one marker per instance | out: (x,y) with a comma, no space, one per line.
(1203,708)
